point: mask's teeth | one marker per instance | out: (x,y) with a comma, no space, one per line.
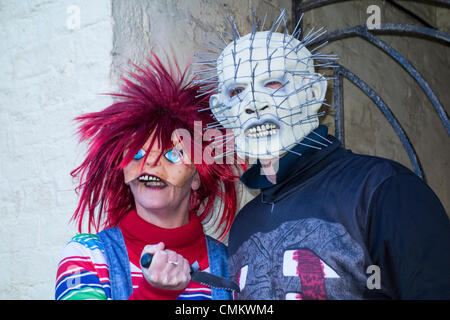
(262,130)
(146,177)
(155,184)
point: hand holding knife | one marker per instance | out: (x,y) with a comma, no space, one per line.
(202,277)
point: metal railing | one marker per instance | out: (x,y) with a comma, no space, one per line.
(362,31)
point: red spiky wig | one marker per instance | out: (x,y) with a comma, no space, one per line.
(152,99)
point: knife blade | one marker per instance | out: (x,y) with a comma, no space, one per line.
(205,278)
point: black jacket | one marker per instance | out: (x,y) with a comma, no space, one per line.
(338,225)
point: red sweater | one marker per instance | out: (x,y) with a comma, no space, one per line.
(188,240)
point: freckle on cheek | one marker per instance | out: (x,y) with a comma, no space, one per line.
(164,177)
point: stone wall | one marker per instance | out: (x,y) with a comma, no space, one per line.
(181,27)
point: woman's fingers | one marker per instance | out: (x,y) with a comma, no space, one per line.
(172,258)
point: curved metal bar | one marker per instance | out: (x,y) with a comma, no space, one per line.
(338,98)
(412,30)
(306,6)
(387,28)
(363,32)
(342,71)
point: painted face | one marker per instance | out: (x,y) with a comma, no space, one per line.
(173,167)
(269,93)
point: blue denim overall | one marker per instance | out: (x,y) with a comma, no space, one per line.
(119,264)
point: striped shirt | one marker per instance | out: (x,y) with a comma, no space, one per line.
(83,274)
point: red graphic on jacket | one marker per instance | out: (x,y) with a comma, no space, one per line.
(312,277)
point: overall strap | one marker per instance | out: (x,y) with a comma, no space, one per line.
(218,264)
(118,263)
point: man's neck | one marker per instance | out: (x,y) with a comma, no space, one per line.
(269,168)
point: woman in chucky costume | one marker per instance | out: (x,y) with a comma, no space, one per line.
(139,185)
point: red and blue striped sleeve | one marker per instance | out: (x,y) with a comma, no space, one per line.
(83,272)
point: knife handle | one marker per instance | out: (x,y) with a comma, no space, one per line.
(146,260)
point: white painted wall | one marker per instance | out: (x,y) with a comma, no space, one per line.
(49,74)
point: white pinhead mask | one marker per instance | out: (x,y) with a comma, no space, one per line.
(268,93)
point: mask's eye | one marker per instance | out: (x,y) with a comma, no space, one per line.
(140,154)
(235,91)
(174,156)
(273,84)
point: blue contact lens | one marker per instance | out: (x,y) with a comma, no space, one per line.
(140,154)
(173,156)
